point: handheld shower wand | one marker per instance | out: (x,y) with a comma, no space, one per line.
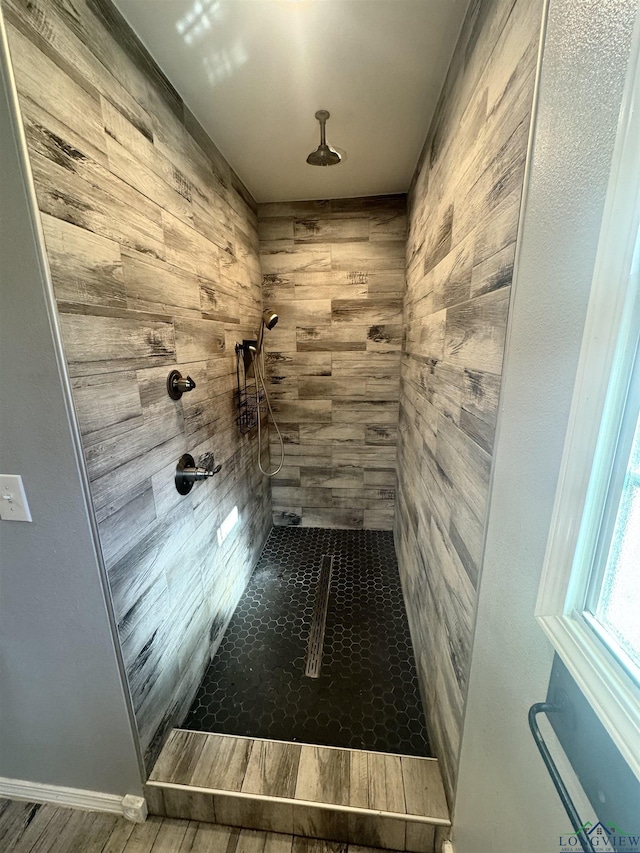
(269,320)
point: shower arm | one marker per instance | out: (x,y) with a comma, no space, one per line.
(323,125)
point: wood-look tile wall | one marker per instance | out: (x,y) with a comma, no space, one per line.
(463,218)
(153,248)
(334,272)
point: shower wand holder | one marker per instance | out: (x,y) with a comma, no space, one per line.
(188,473)
(249,350)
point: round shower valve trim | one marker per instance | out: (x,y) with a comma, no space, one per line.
(188,473)
(177,384)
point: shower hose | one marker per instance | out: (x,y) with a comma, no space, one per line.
(258,362)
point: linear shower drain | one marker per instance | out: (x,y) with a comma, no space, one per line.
(319,619)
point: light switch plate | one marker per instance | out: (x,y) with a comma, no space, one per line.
(13,499)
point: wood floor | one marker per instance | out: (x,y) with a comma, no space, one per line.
(33,828)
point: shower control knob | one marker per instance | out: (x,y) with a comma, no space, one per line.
(188,473)
(177,384)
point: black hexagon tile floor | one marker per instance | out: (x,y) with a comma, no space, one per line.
(366,696)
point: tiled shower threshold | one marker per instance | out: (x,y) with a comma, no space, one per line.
(366,695)
(351,796)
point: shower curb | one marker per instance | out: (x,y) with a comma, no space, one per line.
(288,780)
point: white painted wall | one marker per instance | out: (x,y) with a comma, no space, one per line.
(63,714)
(505,800)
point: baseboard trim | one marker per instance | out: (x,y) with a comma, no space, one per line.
(131,807)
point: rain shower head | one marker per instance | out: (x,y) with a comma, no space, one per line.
(323,155)
(269,318)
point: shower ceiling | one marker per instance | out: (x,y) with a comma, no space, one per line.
(254,71)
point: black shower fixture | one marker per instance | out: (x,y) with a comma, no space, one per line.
(324,155)
(177,384)
(188,473)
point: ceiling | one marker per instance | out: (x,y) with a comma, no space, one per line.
(254,72)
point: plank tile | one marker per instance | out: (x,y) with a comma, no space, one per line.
(107,405)
(264,815)
(73,188)
(211,838)
(321,230)
(383,255)
(367,311)
(74,832)
(321,435)
(179,757)
(276,228)
(129,169)
(272,769)
(475,332)
(171,837)
(424,794)
(189,805)
(421,838)
(84,266)
(198,340)
(316,845)
(303,411)
(318,823)
(144,835)
(386,790)
(23,824)
(155,800)
(222,763)
(304,312)
(250,841)
(38,78)
(157,287)
(119,838)
(109,342)
(278,843)
(348,477)
(359,779)
(323,775)
(279,256)
(65,39)
(342,519)
(377,831)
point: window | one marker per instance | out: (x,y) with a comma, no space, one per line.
(612,604)
(589,599)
